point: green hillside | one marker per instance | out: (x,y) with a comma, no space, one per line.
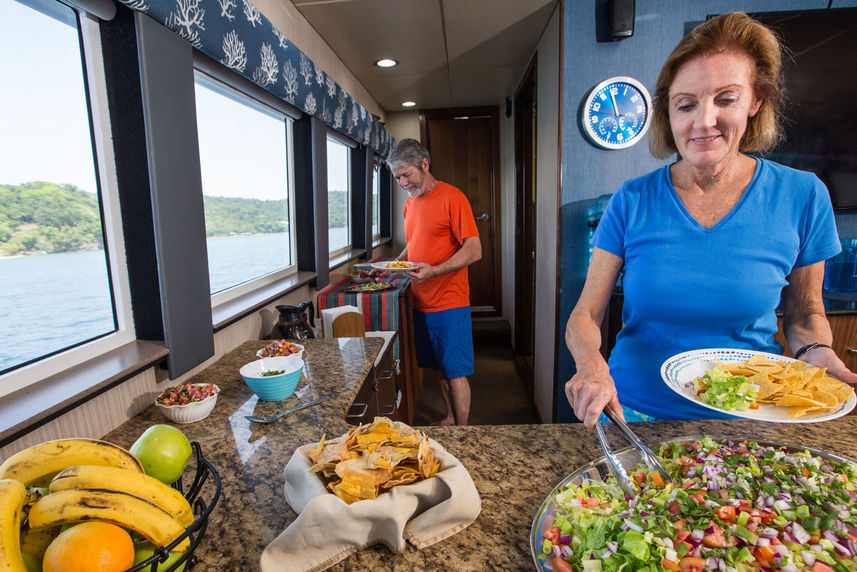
(45,217)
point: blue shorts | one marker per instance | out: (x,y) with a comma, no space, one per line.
(445,340)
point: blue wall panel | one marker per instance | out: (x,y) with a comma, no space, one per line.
(588,172)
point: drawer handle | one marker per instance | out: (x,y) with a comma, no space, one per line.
(851,350)
(357,415)
(386,376)
(391,411)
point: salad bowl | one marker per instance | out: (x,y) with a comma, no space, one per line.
(599,469)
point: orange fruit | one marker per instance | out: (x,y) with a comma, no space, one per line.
(90,547)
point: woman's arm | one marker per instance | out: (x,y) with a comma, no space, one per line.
(592,387)
(805,322)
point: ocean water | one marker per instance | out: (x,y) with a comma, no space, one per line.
(52,301)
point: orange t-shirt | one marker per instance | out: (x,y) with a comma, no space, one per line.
(436,225)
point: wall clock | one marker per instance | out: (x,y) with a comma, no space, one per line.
(616,113)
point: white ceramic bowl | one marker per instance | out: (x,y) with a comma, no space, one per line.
(192,412)
(299,354)
(273,387)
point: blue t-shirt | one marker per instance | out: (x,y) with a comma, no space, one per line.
(689,287)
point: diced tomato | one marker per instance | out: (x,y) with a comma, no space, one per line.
(743,504)
(640,478)
(853,536)
(775,540)
(753,405)
(681,535)
(814,539)
(698,497)
(658,480)
(805,471)
(691,564)
(669,565)
(560,565)
(717,539)
(821,567)
(674,507)
(687,483)
(763,554)
(552,534)
(725,512)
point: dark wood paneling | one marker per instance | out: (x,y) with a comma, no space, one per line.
(464,148)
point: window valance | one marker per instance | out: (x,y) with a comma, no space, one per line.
(238,35)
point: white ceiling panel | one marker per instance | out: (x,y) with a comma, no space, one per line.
(451,53)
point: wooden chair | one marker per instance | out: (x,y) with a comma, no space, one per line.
(349,325)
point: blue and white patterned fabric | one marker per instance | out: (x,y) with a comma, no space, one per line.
(235,33)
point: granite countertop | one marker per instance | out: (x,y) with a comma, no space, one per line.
(514,467)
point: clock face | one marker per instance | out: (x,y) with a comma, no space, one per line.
(616,113)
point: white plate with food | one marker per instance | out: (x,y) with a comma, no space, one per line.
(774,388)
(394,266)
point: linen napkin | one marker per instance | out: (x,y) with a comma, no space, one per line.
(328,530)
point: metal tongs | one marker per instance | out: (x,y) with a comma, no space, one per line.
(649,457)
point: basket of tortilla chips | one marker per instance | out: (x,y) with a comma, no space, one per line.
(371,459)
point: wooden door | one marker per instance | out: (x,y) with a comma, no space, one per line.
(465,152)
(525,222)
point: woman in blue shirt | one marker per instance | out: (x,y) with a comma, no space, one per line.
(710,244)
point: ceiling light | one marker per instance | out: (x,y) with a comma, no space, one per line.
(386,63)
(408,103)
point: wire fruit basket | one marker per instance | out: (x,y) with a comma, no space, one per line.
(201,509)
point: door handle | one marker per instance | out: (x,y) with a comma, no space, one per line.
(851,350)
(484,217)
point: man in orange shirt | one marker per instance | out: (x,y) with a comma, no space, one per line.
(441,240)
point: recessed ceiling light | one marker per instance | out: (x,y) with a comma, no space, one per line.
(386,63)
(408,103)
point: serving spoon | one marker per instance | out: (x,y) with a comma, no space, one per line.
(273,418)
(649,457)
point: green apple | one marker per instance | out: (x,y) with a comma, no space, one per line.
(163,451)
(31,563)
(145,550)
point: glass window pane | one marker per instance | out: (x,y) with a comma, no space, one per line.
(55,289)
(243,158)
(338,195)
(376,202)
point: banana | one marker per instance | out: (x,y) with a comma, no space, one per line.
(39,463)
(137,484)
(34,541)
(12,497)
(79,505)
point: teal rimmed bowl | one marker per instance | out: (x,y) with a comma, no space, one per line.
(273,387)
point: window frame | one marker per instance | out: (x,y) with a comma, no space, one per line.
(338,138)
(228,89)
(376,186)
(95,84)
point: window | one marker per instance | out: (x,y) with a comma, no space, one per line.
(245,160)
(63,281)
(338,196)
(376,201)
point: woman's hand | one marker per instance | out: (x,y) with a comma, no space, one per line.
(590,390)
(827,358)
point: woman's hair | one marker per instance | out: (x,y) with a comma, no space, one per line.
(735,32)
(408,152)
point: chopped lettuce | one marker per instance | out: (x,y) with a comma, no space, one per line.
(725,390)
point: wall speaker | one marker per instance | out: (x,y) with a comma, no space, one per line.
(620,18)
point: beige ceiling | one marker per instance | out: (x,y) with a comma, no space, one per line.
(451,53)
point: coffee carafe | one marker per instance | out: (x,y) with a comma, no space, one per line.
(292,324)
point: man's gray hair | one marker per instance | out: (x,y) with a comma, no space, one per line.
(409,152)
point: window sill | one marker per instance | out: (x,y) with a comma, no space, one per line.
(33,406)
(381,240)
(232,311)
(345,257)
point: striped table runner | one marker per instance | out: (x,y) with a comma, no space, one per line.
(380,308)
